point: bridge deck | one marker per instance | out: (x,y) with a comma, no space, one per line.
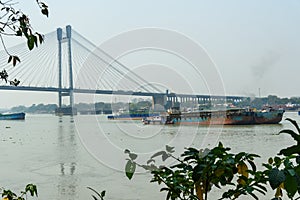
(118,92)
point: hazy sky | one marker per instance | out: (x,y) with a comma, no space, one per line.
(254,44)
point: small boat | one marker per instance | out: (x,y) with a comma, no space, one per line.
(154,120)
(132,115)
(12,116)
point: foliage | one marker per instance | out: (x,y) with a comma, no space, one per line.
(284,170)
(100,195)
(10,195)
(16,23)
(13,22)
(195,172)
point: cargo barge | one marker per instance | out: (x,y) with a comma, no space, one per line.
(233,116)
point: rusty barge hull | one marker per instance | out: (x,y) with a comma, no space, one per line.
(232,117)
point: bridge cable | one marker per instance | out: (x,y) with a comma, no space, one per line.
(115,60)
(107,63)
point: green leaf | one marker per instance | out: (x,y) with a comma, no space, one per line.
(35,40)
(150,161)
(126,151)
(239,156)
(298,159)
(277,161)
(103,193)
(292,133)
(268,166)
(290,185)
(290,150)
(15,59)
(168,195)
(164,189)
(151,167)
(41,38)
(130,169)
(165,156)
(9,59)
(162,153)
(132,156)
(276,177)
(170,149)
(291,172)
(30,42)
(294,123)
(270,161)
(253,166)
(158,154)
(19,33)
(32,189)
(262,190)
(95,198)
(99,195)
(252,155)
(197,172)
(45,11)
(9,194)
(220,145)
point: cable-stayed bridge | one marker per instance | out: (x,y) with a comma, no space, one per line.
(68,63)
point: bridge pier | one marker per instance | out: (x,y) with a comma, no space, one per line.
(69,31)
(159,102)
(59,38)
(70,110)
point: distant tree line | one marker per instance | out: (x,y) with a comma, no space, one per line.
(35,108)
(84,107)
(292,103)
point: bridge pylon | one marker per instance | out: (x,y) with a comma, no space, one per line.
(70,110)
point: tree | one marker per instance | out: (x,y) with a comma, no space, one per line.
(195,172)
(10,195)
(15,23)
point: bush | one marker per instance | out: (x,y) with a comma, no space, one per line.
(196,172)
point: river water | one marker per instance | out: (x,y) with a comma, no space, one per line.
(65,155)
